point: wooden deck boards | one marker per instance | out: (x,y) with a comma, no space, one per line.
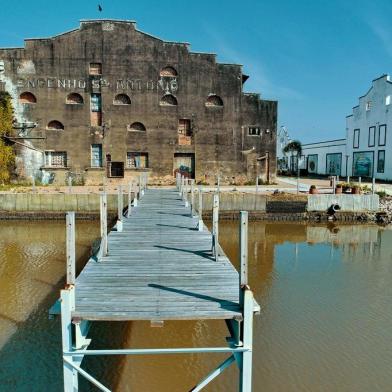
(159,267)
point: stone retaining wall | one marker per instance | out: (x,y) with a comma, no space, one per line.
(59,203)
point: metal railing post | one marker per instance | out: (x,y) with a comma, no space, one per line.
(186,192)
(67,306)
(215,225)
(141,189)
(70,248)
(129,211)
(192,198)
(120,208)
(104,224)
(200,209)
(179,178)
(360,180)
(243,253)
(33,184)
(247,341)
(373,185)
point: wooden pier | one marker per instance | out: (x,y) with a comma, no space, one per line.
(157,264)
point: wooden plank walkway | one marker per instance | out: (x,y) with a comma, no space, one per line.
(160,267)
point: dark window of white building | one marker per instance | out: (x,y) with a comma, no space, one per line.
(372,136)
(381,161)
(356,138)
(382,135)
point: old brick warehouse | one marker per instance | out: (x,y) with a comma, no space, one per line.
(107,100)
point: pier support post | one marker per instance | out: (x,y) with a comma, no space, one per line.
(200,209)
(129,211)
(120,208)
(192,198)
(70,248)
(215,226)
(104,224)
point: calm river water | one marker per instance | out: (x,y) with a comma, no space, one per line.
(326,321)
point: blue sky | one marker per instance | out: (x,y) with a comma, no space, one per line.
(315,57)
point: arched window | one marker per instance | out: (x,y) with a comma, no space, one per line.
(74,99)
(27,97)
(137,126)
(55,125)
(168,100)
(122,99)
(168,71)
(214,101)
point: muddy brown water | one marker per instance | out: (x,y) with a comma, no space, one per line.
(325,293)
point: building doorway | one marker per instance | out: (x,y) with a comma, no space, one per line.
(184,163)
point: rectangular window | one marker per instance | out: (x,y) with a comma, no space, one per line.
(96,109)
(254,131)
(56,158)
(372,136)
(184,132)
(312,163)
(356,138)
(382,134)
(137,159)
(363,163)
(388,100)
(95,69)
(96,155)
(96,102)
(368,105)
(381,161)
(334,164)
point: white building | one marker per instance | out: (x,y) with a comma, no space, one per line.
(367,149)
(369,146)
(325,158)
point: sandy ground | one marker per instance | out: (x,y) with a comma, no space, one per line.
(283,184)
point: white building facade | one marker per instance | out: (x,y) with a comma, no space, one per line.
(368,132)
(367,149)
(325,158)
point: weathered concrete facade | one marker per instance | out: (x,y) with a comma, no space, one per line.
(107,92)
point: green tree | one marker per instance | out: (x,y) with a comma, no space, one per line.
(7,156)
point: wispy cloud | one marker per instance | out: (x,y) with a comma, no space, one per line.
(383,33)
(260,80)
